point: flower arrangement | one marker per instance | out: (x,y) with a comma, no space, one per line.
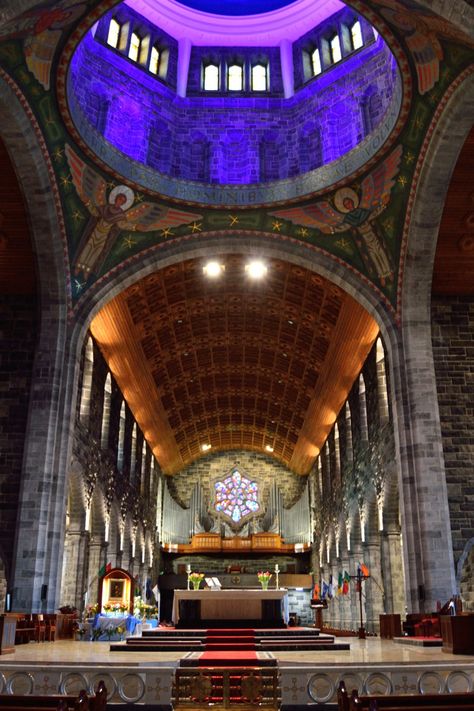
(115,607)
(92,610)
(195,579)
(264,578)
(143,610)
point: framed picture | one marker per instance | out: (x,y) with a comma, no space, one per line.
(116,589)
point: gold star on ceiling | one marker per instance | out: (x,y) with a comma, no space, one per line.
(409,158)
(402,180)
(303,232)
(76,215)
(139,198)
(343,244)
(65,181)
(129,242)
(196,227)
(167,232)
(234,220)
(277,225)
(58,153)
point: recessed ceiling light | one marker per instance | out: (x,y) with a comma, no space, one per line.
(213,269)
(205,447)
(269,448)
(256,269)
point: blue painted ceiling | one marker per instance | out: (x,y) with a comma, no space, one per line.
(236,7)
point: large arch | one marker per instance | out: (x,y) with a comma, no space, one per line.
(40,523)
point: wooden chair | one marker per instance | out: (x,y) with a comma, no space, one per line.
(50,621)
(40,628)
(25,629)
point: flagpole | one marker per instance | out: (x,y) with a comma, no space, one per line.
(360,578)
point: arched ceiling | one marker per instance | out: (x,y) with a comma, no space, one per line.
(454,261)
(17,266)
(234,363)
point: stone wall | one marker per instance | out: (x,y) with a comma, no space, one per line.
(17,345)
(265,469)
(453,351)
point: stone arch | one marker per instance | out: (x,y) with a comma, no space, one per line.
(39,536)
(419,442)
(372,109)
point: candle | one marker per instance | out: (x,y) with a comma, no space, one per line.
(188,568)
(277,569)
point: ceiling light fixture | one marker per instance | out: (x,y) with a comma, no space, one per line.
(268,448)
(213,269)
(256,269)
(205,447)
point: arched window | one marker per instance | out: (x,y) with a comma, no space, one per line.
(335,49)
(115,30)
(133,452)
(104,433)
(235,77)
(316,67)
(382,393)
(143,469)
(364,432)
(259,77)
(337,453)
(357,41)
(88,368)
(349,448)
(135,46)
(211,77)
(121,438)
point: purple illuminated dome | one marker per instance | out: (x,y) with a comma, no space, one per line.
(236,7)
(175,98)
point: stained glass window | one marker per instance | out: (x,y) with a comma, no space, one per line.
(236,496)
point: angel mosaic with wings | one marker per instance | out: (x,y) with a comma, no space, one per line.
(421,31)
(355,211)
(110,215)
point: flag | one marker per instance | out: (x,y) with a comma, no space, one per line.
(330,588)
(316,591)
(345,583)
(340,580)
(325,589)
(106,568)
(364,570)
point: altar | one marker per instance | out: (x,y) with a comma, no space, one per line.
(262,607)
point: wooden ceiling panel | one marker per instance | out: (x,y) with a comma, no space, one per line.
(234,363)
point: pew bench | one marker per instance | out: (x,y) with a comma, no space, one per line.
(56,702)
(406,702)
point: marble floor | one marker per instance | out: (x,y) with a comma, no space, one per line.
(370,651)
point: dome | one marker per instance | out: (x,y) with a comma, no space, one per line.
(234,108)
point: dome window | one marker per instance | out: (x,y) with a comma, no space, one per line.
(335,49)
(135,46)
(259,75)
(235,77)
(113,36)
(357,40)
(211,77)
(316,67)
(154,63)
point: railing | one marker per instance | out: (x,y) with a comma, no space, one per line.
(226,688)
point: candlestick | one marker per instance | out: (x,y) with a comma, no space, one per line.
(277,573)
(188,571)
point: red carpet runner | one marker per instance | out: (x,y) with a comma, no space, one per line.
(234,647)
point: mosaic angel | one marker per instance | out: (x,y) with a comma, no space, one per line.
(355,211)
(421,31)
(41,29)
(111,214)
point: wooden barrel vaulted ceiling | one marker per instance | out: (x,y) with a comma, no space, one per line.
(234,363)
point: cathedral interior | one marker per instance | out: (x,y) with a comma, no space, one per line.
(237,300)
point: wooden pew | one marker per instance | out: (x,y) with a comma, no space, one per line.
(56,702)
(406,702)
